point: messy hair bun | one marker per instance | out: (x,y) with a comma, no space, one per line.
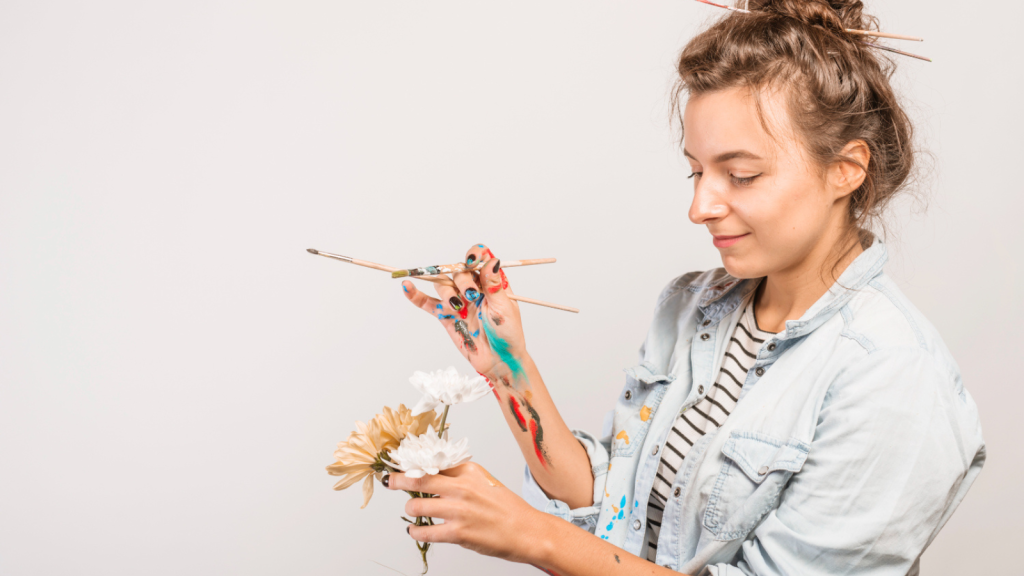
(837,86)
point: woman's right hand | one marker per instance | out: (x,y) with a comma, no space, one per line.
(479,317)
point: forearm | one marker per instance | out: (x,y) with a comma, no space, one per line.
(563,549)
(557,460)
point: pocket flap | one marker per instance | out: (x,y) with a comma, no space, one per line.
(646,372)
(759,454)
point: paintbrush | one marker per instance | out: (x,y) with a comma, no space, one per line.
(462,267)
(443,280)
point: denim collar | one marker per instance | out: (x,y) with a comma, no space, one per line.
(727,294)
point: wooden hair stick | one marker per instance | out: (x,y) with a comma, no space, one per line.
(884,35)
(443,280)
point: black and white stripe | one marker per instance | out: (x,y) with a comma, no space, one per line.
(703,417)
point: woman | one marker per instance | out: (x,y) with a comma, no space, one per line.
(792,412)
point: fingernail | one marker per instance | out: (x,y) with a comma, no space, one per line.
(471,258)
(386,480)
(496,266)
(407,527)
(455,302)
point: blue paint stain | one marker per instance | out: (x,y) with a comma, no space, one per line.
(636,503)
(474,296)
(500,347)
(440,307)
(479,315)
(621,512)
(623,503)
(445,317)
(609,527)
(404,289)
(479,245)
(603,537)
(476,334)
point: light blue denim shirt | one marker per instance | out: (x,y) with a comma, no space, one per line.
(852,443)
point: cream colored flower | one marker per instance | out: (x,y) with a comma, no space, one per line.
(397,424)
(356,456)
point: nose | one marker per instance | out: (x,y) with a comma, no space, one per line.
(707,204)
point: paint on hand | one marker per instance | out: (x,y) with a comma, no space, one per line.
(459,307)
(498,320)
(501,348)
(445,317)
(504,279)
(617,559)
(470,259)
(513,407)
(645,413)
(493,387)
(623,436)
(404,289)
(467,338)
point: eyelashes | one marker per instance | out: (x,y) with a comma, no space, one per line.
(747,181)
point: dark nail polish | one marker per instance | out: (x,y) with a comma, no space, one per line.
(470,259)
(386,480)
(407,527)
(496,266)
(456,303)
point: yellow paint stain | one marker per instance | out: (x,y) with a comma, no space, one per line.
(615,509)
(606,494)
(609,468)
(645,413)
(623,436)
(528,395)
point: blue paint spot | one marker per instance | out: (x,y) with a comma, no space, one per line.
(636,503)
(445,317)
(500,347)
(479,245)
(609,527)
(622,504)
(479,315)
(603,537)
(476,334)
(621,512)
(440,307)
(404,289)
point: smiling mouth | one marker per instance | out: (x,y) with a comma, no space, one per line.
(724,241)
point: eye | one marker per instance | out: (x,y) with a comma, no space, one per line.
(743,181)
(694,174)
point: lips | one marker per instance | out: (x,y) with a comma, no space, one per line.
(725,241)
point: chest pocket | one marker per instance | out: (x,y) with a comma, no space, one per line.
(756,469)
(635,409)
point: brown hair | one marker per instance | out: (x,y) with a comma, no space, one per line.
(837,87)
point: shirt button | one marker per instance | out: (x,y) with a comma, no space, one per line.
(706,322)
(762,470)
(771,346)
(636,524)
(705,336)
(676,492)
(700,389)
(629,394)
(655,451)
(759,371)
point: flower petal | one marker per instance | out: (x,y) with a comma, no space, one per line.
(346,482)
(367,491)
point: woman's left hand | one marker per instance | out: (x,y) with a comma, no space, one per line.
(479,513)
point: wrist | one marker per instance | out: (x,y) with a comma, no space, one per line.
(542,538)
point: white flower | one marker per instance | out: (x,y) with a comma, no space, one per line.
(428,454)
(446,387)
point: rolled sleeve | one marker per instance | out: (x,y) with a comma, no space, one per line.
(585,517)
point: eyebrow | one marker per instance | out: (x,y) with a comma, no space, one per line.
(726,156)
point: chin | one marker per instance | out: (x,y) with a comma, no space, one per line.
(741,268)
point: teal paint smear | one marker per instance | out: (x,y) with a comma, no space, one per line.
(500,347)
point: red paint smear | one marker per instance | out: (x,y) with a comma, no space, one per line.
(519,415)
(464,312)
(536,446)
(493,387)
(494,289)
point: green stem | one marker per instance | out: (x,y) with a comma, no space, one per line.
(444,416)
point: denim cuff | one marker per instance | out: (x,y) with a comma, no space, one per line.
(585,517)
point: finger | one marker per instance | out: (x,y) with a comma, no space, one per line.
(476,253)
(475,471)
(430,484)
(430,507)
(493,283)
(420,299)
(504,280)
(471,295)
(437,533)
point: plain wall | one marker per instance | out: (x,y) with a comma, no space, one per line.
(175,369)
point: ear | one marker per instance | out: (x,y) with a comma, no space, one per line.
(845,176)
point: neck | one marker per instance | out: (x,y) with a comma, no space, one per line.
(787,294)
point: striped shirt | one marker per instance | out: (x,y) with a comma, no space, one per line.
(704,417)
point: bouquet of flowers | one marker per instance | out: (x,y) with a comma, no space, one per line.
(398,440)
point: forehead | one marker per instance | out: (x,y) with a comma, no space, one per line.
(728,120)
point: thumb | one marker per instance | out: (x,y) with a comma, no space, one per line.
(493,282)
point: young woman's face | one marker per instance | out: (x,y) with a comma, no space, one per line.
(767,206)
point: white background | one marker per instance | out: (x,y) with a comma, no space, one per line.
(175,369)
